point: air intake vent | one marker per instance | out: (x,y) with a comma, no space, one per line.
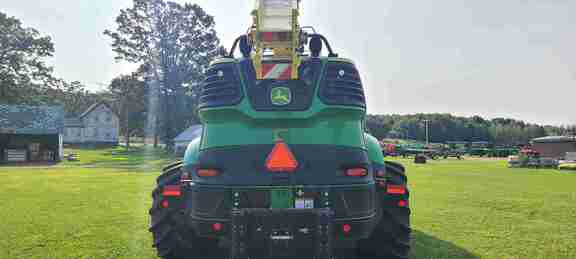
(342,85)
(221,87)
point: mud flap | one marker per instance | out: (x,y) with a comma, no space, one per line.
(301,233)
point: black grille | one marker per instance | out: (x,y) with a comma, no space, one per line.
(342,85)
(221,87)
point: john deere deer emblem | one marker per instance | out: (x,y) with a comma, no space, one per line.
(281,96)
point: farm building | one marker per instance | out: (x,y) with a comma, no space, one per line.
(554,146)
(31,133)
(181,141)
(98,125)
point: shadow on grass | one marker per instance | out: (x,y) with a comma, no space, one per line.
(425,246)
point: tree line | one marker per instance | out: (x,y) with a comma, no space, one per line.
(171,43)
(446,127)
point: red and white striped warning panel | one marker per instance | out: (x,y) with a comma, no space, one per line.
(282,71)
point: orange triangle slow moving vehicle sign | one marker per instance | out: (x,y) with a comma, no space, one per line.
(281,159)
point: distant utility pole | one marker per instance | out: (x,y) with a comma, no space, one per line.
(427,126)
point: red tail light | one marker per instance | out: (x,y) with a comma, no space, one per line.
(281,159)
(396,189)
(171,191)
(346,228)
(207,172)
(357,172)
(165,204)
(217,227)
(403,203)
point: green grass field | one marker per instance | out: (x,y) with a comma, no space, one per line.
(97,208)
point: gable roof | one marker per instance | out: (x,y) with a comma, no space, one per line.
(94,106)
(189,134)
(35,120)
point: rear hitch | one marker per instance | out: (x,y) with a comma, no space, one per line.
(282,232)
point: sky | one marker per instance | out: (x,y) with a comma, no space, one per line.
(494,58)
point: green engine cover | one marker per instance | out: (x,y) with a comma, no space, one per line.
(322,123)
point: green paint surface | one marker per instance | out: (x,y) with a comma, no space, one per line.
(281,199)
(374,150)
(342,130)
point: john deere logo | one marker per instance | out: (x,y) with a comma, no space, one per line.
(281,96)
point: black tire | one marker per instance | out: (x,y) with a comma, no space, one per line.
(168,171)
(391,236)
(173,237)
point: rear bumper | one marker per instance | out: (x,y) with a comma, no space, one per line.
(351,207)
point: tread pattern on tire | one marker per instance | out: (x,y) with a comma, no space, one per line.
(172,237)
(391,237)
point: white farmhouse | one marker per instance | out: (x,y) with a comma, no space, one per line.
(97,125)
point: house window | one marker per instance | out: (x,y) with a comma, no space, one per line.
(78,132)
(96,132)
(108,117)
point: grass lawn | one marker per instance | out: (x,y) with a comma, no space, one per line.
(94,208)
(481,209)
(97,208)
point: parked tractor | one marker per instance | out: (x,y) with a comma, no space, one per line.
(480,148)
(283,168)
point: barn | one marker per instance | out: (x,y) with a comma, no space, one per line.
(31,133)
(554,146)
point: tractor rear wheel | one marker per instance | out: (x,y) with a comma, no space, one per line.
(173,237)
(391,236)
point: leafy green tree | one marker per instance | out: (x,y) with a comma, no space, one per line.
(570,130)
(73,96)
(23,73)
(378,125)
(178,42)
(128,94)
